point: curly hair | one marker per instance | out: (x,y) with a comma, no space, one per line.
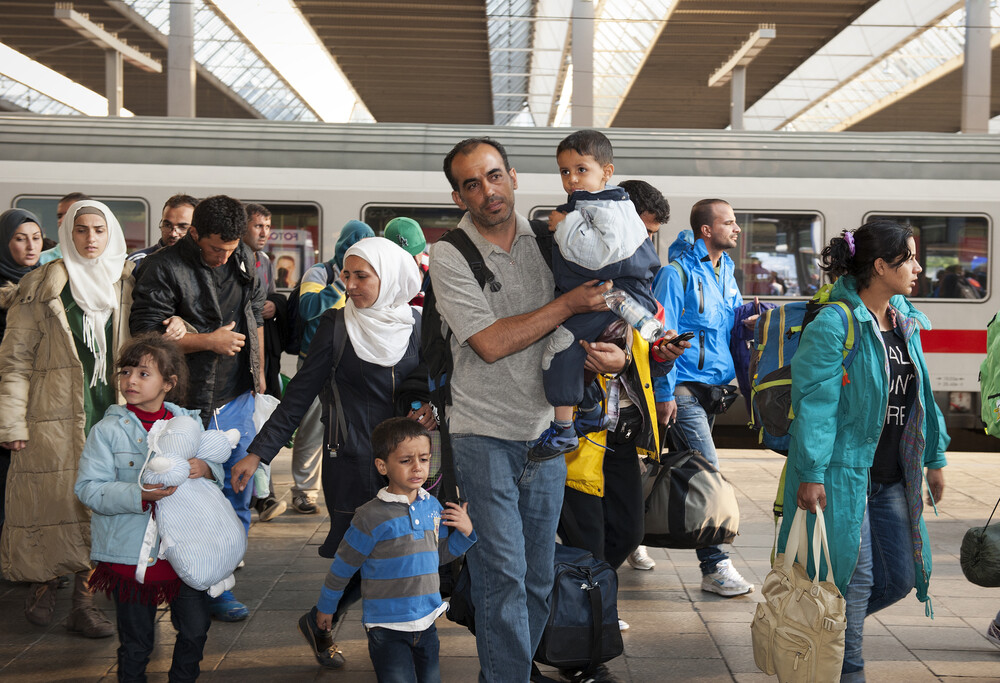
(220,215)
(647,198)
(877,239)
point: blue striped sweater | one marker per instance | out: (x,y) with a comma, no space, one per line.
(398,547)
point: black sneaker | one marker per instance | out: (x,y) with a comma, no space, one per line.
(326,651)
(553,442)
(599,674)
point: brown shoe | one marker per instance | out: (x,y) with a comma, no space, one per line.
(40,604)
(90,622)
(85,618)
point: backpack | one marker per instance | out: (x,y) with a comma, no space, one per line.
(296,324)
(582,629)
(741,344)
(435,337)
(778,332)
(689,504)
(989,380)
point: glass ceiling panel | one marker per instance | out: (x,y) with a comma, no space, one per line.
(915,59)
(624,32)
(30,99)
(509,31)
(889,47)
(224,53)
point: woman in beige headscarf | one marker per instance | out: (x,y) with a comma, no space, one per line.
(66,323)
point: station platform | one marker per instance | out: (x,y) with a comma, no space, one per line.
(678,632)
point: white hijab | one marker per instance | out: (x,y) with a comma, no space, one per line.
(92,281)
(381,332)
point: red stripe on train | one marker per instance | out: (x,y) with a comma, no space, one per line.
(954,341)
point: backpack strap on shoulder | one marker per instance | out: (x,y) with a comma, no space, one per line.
(850,340)
(339,344)
(675,264)
(330,275)
(457,238)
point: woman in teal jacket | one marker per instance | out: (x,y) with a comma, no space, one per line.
(862,438)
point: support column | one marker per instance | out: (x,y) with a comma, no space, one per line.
(738,97)
(114,85)
(976,71)
(180,60)
(583,63)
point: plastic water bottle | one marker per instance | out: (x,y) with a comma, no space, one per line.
(635,314)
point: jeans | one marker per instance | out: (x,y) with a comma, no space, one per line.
(405,656)
(693,430)
(885,573)
(237,414)
(514,504)
(137,627)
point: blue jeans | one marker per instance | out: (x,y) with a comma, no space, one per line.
(405,656)
(514,504)
(237,414)
(693,430)
(885,572)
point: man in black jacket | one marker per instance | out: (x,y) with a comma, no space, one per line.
(208,279)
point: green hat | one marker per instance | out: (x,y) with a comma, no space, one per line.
(406,233)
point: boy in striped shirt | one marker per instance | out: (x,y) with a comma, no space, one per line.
(397,540)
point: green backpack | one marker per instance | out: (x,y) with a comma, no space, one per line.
(989,379)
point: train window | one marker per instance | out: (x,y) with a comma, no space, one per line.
(132,214)
(434,220)
(294,244)
(954,252)
(777,253)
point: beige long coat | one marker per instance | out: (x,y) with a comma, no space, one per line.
(47,530)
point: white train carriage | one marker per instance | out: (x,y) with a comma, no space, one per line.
(791,192)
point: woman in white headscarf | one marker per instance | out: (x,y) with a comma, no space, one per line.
(365,360)
(67,320)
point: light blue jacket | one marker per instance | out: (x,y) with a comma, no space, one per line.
(837,427)
(703,305)
(107,483)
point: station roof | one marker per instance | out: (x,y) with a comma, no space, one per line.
(861,65)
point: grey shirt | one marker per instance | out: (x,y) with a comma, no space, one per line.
(505,399)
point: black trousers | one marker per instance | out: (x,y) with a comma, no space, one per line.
(610,527)
(137,628)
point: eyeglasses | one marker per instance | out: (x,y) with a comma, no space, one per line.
(167,226)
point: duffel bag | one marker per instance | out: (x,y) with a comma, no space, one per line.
(689,504)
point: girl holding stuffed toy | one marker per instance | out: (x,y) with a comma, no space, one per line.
(151,368)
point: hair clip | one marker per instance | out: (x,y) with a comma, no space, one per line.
(849,238)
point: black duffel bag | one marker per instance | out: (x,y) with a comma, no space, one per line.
(582,630)
(689,504)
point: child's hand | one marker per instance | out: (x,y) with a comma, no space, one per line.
(199,468)
(555,218)
(324,621)
(158,492)
(457,516)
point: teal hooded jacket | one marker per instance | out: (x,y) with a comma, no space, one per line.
(838,422)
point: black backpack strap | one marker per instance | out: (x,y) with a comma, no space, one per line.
(330,275)
(597,624)
(339,343)
(461,241)
(544,238)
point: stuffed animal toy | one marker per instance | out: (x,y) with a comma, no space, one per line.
(200,534)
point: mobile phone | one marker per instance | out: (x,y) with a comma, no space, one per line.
(687,336)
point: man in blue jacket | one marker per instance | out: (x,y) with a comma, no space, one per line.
(699,293)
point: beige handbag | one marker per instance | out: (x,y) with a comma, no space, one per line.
(798,631)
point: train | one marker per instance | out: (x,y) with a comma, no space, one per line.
(791,193)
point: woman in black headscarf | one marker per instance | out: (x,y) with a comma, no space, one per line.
(20,247)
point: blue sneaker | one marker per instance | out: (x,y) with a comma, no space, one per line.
(553,442)
(593,420)
(227,608)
